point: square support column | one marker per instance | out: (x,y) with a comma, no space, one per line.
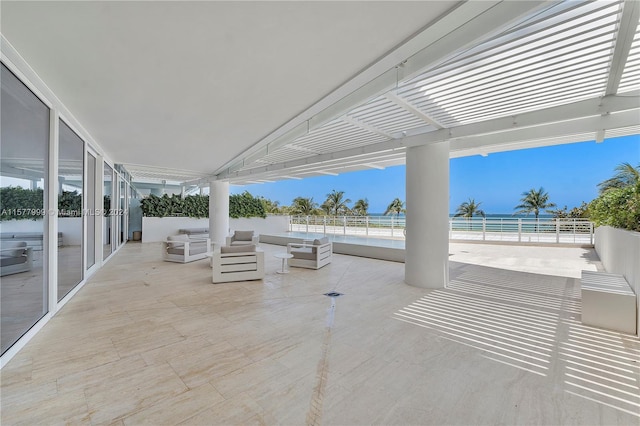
(218,211)
(427,230)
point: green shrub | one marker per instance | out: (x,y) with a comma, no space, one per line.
(69,204)
(197,206)
(245,205)
(17,203)
(619,208)
(165,206)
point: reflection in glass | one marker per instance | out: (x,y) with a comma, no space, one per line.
(106,212)
(24,141)
(70,186)
(91,210)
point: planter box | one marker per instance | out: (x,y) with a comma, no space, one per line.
(619,251)
(608,302)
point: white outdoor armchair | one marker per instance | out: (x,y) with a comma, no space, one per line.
(313,256)
(15,257)
(242,238)
(184,249)
(241,263)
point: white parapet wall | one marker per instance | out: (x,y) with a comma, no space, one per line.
(272,224)
(619,251)
(155,229)
(71,228)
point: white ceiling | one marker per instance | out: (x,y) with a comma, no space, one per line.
(260,91)
(191,85)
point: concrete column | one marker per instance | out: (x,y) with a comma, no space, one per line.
(427,240)
(218,211)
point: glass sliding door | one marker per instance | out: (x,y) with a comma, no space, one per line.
(115,222)
(121,209)
(70,189)
(91,209)
(24,144)
(107,215)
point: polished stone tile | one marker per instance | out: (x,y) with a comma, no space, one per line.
(177,409)
(129,392)
(205,364)
(152,342)
(241,409)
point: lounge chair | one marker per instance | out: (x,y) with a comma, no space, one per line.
(313,256)
(183,249)
(15,257)
(242,238)
(239,263)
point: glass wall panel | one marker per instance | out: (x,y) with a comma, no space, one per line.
(91,210)
(114,204)
(24,142)
(122,217)
(70,187)
(106,212)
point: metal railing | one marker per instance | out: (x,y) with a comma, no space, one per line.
(546,230)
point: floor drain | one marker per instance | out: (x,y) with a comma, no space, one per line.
(333,294)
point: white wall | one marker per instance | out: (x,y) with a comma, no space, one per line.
(71,228)
(22,225)
(270,225)
(619,251)
(155,229)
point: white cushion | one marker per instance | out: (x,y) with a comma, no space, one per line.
(180,237)
(238,249)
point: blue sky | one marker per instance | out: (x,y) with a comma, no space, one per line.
(569,173)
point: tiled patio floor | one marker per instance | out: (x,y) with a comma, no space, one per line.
(147,341)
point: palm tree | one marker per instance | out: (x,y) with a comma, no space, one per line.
(326,208)
(396,207)
(469,209)
(626,175)
(337,204)
(533,201)
(361,207)
(303,206)
(270,206)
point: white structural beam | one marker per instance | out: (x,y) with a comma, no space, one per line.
(323,172)
(535,137)
(374,166)
(413,110)
(377,161)
(624,39)
(543,124)
(364,126)
(461,28)
(589,107)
